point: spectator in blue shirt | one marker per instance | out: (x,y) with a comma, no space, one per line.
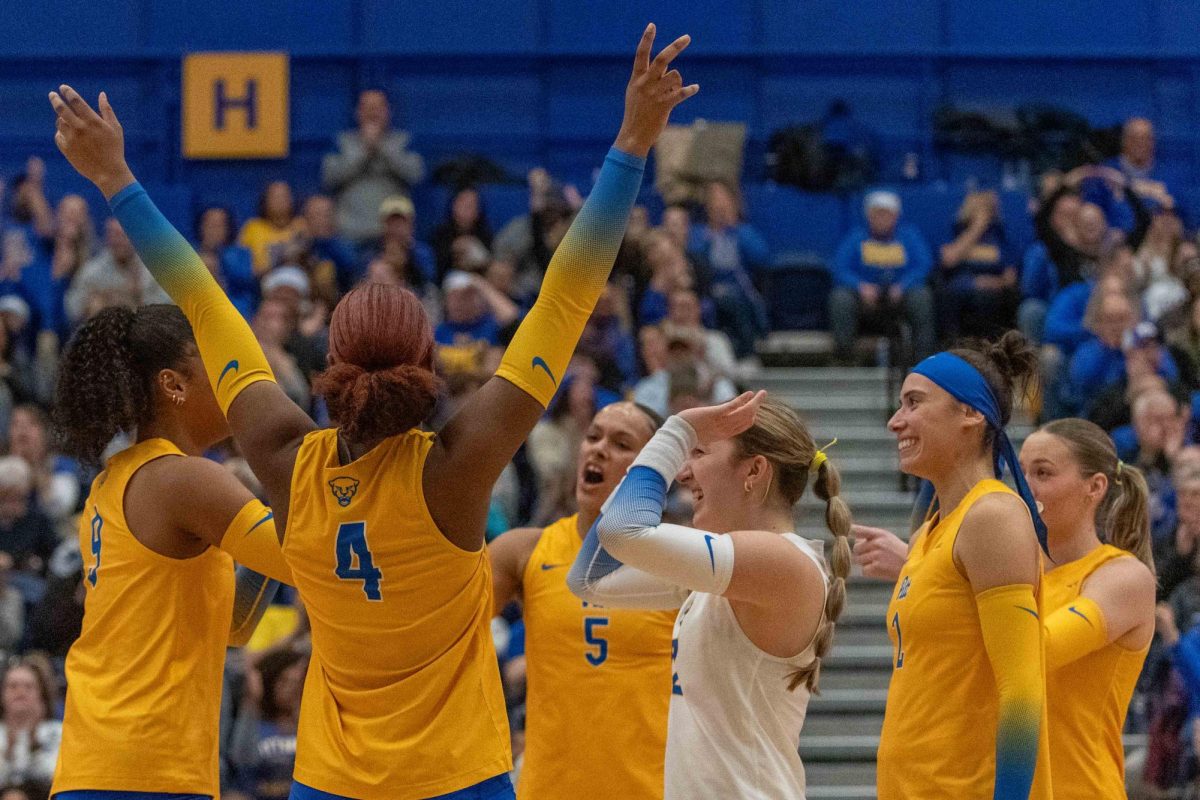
(734,252)
(880,271)
(1143,174)
(978,279)
(231,264)
(262,747)
(468,339)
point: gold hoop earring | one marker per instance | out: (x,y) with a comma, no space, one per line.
(178,398)
(746,487)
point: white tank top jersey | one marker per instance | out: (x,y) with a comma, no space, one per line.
(734,728)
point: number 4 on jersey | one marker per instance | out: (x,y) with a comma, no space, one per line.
(351,543)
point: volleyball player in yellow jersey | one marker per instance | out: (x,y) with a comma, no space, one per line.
(144,677)
(598,679)
(966,704)
(385,523)
(1099,600)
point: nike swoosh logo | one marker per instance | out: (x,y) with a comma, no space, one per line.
(231,366)
(270,516)
(708,540)
(551,566)
(1077,613)
(1030,610)
(538,361)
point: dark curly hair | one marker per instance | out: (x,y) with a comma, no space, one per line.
(106,379)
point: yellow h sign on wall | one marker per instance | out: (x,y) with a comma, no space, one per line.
(235,105)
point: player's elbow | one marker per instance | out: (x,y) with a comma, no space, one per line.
(578,583)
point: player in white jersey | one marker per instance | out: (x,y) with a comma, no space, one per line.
(756,602)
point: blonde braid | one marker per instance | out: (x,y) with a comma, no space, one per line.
(838,519)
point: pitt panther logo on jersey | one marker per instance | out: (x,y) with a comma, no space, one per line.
(344,490)
(903,593)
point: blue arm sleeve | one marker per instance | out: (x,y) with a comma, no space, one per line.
(639,501)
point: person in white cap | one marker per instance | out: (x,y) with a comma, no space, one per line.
(469,333)
(881,270)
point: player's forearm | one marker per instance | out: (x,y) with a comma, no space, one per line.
(544,343)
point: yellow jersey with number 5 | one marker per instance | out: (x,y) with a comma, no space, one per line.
(599,685)
(403,697)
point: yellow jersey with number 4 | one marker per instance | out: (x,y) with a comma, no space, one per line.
(599,685)
(144,677)
(940,727)
(403,697)
(1089,698)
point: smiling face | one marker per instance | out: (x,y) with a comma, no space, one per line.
(613,440)
(933,430)
(716,476)
(1065,495)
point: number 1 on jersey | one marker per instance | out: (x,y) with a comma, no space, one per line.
(352,542)
(899,640)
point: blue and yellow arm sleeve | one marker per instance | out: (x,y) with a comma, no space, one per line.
(1073,631)
(1012,636)
(539,352)
(232,356)
(252,540)
(254,543)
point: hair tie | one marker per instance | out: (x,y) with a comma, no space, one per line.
(1120,469)
(820,457)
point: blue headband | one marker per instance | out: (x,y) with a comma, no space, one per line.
(967,385)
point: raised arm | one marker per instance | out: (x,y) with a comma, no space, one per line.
(483,436)
(267,425)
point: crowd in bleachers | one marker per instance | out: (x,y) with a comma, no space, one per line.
(1098,270)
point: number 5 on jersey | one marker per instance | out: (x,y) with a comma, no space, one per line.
(352,544)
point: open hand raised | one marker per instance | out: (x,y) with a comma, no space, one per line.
(93,143)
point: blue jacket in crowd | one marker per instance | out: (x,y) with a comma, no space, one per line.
(903,260)
(1064,318)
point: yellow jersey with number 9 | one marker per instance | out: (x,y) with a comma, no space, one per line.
(403,698)
(144,677)
(940,726)
(599,685)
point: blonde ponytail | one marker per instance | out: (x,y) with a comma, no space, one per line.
(1123,516)
(837,518)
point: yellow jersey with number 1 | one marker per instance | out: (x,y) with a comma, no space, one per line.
(941,724)
(144,677)
(1089,698)
(599,685)
(403,697)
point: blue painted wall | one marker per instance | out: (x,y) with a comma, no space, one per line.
(540,81)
